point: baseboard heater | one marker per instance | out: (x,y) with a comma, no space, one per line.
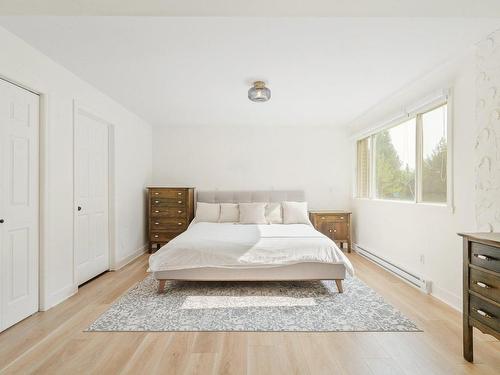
(411,278)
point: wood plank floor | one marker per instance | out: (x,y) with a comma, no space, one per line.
(52,342)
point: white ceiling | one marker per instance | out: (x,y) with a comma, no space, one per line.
(301,8)
(196,71)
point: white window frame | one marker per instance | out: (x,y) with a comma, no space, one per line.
(415,112)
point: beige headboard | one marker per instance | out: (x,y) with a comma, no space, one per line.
(250,196)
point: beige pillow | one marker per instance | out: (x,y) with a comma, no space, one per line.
(229,213)
(207,212)
(295,213)
(253,213)
(273,213)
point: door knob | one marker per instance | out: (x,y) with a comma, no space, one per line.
(2,221)
(79,208)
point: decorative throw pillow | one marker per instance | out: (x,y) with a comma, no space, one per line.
(253,213)
(207,212)
(229,213)
(295,213)
(273,213)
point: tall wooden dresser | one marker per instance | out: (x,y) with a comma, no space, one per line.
(481,273)
(170,210)
(335,224)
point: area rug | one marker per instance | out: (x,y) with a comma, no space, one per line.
(307,306)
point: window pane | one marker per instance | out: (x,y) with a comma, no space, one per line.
(395,162)
(434,145)
(363,168)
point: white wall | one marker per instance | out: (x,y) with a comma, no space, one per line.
(315,159)
(402,232)
(22,64)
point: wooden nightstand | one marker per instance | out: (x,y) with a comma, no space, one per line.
(335,224)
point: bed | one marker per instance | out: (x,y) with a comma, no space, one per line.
(209,251)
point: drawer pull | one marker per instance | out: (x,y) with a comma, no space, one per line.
(179,201)
(335,230)
(330,231)
(179,223)
(157,211)
(341,218)
(483,257)
(482,313)
(157,193)
(156,236)
(179,212)
(482,285)
(157,223)
(323,218)
(179,193)
(157,201)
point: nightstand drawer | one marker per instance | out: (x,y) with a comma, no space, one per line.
(331,218)
(485,256)
(168,193)
(485,284)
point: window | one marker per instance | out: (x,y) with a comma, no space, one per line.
(434,153)
(406,162)
(363,168)
(395,162)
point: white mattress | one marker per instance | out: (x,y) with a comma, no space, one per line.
(244,246)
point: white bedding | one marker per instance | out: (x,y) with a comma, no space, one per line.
(228,245)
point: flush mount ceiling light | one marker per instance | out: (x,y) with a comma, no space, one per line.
(259,92)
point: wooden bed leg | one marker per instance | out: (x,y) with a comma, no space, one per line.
(339,285)
(161,286)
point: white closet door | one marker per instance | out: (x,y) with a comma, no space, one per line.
(18,204)
(91,197)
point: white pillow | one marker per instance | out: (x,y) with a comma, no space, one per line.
(253,213)
(229,213)
(295,213)
(273,213)
(207,212)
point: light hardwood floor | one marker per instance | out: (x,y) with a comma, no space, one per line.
(53,342)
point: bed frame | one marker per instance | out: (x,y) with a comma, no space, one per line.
(300,271)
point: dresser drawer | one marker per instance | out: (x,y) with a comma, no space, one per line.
(485,284)
(164,236)
(172,212)
(167,223)
(168,202)
(485,256)
(485,312)
(168,193)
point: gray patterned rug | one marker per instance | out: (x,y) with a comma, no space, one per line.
(252,306)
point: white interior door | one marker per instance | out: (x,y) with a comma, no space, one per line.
(91,196)
(18,204)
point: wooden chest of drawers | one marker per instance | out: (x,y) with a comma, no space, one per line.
(481,287)
(170,210)
(334,224)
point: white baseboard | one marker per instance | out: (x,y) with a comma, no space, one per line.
(123,262)
(58,297)
(447,297)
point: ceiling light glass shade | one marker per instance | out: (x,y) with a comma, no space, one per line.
(259,92)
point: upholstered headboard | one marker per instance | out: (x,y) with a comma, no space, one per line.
(250,196)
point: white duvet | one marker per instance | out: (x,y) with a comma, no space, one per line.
(228,245)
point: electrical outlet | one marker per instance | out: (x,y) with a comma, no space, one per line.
(422,259)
